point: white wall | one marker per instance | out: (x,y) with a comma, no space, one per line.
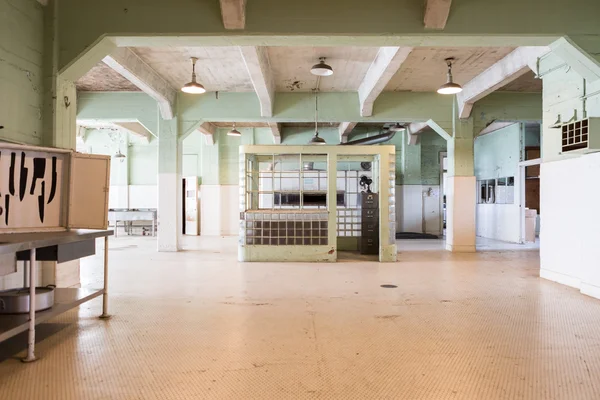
(410,200)
(569,188)
(497,155)
(570,253)
(219,210)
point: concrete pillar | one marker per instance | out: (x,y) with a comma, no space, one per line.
(169,185)
(461,189)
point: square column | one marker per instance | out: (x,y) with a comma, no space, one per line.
(461,189)
(169,186)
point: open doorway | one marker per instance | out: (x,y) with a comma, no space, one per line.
(529,171)
(190,209)
(357,207)
(443,177)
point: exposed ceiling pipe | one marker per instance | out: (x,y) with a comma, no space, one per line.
(383,137)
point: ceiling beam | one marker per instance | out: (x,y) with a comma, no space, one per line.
(233,13)
(417,127)
(259,69)
(276,130)
(496,125)
(436,13)
(515,64)
(382,69)
(128,64)
(345,128)
(208,130)
(136,129)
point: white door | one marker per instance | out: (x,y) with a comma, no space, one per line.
(192,222)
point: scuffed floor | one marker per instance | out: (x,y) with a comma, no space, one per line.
(199,325)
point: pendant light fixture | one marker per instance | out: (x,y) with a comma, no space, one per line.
(234,132)
(321,69)
(316,139)
(193,87)
(449,87)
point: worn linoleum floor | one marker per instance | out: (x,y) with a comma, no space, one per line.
(199,325)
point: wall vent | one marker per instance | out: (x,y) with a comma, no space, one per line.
(581,136)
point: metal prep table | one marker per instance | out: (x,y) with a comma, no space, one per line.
(134,214)
(51,246)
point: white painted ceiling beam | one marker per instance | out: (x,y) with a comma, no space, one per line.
(208,130)
(233,13)
(345,128)
(417,127)
(382,69)
(494,126)
(128,64)
(276,130)
(515,64)
(582,62)
(259,69)
(436,13)
(136,129)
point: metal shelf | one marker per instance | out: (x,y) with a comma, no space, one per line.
(65,299)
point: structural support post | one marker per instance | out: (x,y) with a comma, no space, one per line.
(169,186)
(461,189)
(31,338)
(105,314)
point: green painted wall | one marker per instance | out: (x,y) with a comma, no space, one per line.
(563,95)
(143,163)
(497,154)
(507,106)
(21,78)
(432,145)
(119,106)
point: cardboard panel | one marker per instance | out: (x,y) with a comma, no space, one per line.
(88,194)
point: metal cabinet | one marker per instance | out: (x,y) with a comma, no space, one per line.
(369,240)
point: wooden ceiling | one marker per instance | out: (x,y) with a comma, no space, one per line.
(223,68)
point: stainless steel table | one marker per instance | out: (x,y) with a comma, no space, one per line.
(133,214)
(55,246)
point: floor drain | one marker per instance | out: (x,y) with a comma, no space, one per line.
(389,286)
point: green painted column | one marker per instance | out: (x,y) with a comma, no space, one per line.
(460,188)
(169,185)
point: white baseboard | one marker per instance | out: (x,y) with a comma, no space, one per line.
(560,278)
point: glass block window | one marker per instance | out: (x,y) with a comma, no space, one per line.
(392,197)
(348,177)
(286,229)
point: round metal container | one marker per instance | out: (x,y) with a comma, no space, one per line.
(16,301)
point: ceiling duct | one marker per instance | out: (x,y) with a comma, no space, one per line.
(386,134)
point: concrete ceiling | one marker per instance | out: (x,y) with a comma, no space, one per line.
(102,78)
(223,68)
(218,68)
(525,83)
(291,67)
(424,70)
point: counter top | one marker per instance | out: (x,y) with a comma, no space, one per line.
(14,242)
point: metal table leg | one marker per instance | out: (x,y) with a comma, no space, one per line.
(31,339)
(105,314)
(25,280)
